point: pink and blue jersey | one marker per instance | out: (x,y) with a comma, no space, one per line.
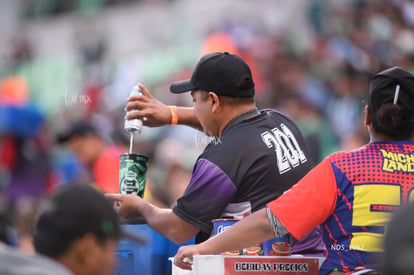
(351,194)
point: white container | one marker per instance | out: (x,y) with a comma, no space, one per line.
(215,264)
(202,265)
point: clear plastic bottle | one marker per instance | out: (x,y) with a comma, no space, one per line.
(134,125)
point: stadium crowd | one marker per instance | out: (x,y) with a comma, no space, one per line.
(318,77)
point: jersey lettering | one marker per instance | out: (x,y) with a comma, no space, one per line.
(288,152)
(397,162)
(372,206)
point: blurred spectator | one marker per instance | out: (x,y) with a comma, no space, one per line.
(16,262)
(319,136)
(7,235)
(25,216)
(22,51)
(28,164)
(70,238)
(399,243)
(25,161)
(78,228)
(343,108)
(30,175)
(170,170)
(93,151)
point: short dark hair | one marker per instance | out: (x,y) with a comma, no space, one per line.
(231,100)
(71,212)
(76,129)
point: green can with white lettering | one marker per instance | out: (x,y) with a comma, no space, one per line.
(133,174)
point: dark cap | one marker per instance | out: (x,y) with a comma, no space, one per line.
(383,88)
(76,129)
(223,73)
(71,212)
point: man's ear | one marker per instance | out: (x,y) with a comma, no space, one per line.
(215,101)
(368,118)
(86,247)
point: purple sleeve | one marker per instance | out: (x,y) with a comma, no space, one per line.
(207,195)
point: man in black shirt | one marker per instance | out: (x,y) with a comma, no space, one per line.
(253,158)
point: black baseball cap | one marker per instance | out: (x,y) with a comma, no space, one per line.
(76,129)
(383,88)
(223,73)
(74,210)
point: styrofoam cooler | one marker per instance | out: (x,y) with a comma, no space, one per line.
(216,264)
(202,265)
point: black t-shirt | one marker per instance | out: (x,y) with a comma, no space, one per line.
(255,160)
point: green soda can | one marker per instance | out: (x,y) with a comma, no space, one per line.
(132,174)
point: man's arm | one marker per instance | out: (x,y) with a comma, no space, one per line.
(164,221)
(155,113)
(304,206)
(251,230)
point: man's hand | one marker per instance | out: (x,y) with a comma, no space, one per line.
(184,257)
(152,112)
(126,205)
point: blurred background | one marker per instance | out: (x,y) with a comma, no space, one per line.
(63,61)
